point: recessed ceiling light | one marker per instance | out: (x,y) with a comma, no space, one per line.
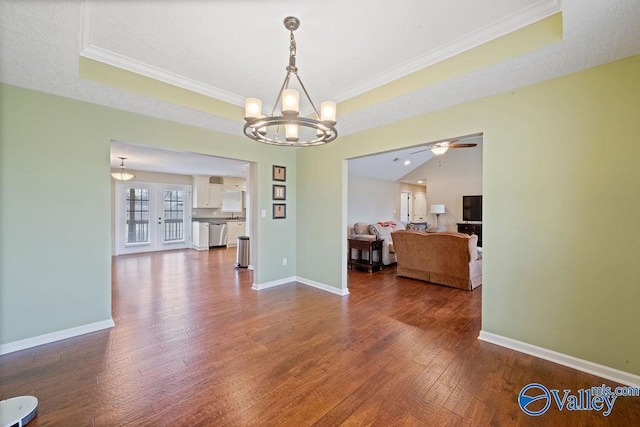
(406,162)
(420,182)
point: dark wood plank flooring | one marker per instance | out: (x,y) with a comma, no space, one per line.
(194,345)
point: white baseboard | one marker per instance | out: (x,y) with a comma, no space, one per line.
(612,374)
(322,286)
(261,286)
(308,282)
(55,336)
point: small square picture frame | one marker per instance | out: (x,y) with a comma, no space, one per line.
(279,192)
(279,173)
(279,210)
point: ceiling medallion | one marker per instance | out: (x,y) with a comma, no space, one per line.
(289,129)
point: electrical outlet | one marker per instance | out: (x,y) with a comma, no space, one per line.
(284,261)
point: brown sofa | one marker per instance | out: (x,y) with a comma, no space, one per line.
(449,259)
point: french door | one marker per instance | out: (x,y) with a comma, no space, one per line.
(152,217)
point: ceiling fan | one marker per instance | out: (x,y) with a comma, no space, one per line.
(439,148)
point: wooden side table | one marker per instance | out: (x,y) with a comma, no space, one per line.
(365,245)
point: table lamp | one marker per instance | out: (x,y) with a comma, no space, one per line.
(437,209)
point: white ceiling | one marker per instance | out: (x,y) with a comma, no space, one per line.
(235,49)
(144,158)
(240,49)
(391,165)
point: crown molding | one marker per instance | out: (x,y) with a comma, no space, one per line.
(534,13)
(105,56)
(138,67)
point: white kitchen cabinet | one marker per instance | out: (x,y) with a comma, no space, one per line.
(215,196)
(234,183)
(232,200)
(200,191)
(200,235)
(235,229)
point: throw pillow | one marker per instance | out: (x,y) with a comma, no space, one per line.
(373,230)
(417,226)
(361,228)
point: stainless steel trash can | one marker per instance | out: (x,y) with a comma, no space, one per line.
(242,254)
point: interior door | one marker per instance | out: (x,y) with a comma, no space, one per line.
(420,207)
(151,217)
(405,206)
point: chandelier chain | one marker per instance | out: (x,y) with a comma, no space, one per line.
(292,45)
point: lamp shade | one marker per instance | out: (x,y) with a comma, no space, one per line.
(252,108)
(290,102)
(328,112)
(122,175)
(437,209)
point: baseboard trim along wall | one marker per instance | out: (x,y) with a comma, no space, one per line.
(322,286)
(308,282)
(284,281)
(612,374)
(55,336)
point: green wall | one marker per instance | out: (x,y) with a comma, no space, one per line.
(561,192)
(55,246)
(561,184)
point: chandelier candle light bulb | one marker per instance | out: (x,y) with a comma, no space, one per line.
(290,102)
(316,129)
(252,108)
(291,132)
(328,112)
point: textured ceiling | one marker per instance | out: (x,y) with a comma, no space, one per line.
(240,49)
(234,49)
(140,157)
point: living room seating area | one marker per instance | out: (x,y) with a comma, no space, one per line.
(378,231)
(449,259)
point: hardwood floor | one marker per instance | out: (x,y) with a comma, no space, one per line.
(194,345)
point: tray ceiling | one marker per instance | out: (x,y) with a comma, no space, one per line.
(363,54)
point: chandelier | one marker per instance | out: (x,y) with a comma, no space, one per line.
(289,129)
(122,175)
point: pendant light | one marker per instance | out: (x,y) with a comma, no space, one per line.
(288,128)
(122,175)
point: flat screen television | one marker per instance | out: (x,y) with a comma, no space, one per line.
(472,208)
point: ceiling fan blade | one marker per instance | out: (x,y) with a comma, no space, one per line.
(462,145)
(420,151)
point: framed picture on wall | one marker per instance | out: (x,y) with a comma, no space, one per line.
(279,192)
(279,210)
(279,173)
